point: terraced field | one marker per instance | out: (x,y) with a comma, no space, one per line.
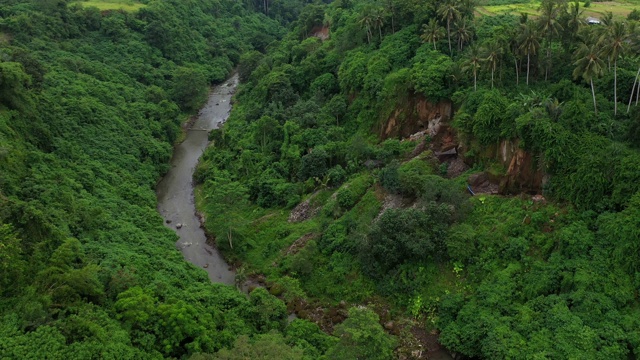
(596,9)
(127,5)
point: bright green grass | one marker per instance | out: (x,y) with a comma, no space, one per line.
(127,5)
(597,9)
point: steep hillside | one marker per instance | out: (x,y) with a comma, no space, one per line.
(343,178)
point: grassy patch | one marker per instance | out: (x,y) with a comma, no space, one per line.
(596,9)
(126,5)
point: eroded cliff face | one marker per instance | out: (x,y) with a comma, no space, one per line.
(418,115)
(524,172)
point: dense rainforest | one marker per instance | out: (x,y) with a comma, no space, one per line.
(340,187)
(316,184)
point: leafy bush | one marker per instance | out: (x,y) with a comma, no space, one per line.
(430,73)
(350,193)
(412,176)
(402,235)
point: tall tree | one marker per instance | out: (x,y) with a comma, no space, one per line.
(366,22)
(614,43)
(377,16)
(529,42)
(634,41)
(588,65)
(492,52)
(473,63)
(448,11)
(550,27)
(464,32)
(432,32)
(574,20)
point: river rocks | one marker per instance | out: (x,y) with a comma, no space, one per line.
(206,266)
(168,221)
(178,226)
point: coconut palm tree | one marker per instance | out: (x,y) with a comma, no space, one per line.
(377,19)
(473,63)
(366,22)
(575,20)
(615,43)
(492,52)
(588,65)
(449,12)
(432,32)
(549,27)
(529,42)
(464,32)
(634,45)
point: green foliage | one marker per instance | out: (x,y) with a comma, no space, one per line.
(430,73)
(13,85)
(270,312)
(351,192)
(406,235)
(91,106)
(308,336)
(361,335)
(411,177)
(314,164)
(12,263)
(265,347)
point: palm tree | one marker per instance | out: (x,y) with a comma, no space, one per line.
(377,18)
(366,22)
(634,37)
(464,33)
(492,52)
(448,11)
(432,32)
(549,26)
(588,65)
(473,63)
(615,44)
(529,42)
(575,20)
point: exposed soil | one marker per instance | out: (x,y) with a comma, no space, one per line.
(303,211)
(299,244)
(456,167)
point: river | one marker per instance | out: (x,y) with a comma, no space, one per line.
(175,191)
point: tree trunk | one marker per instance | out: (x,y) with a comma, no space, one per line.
(449,36)
(492,71)
(546,71)
(528,61)
(633,89)
(515,61)
(593,94)
(475,81)
(393,27)
(615,87)
(434,44)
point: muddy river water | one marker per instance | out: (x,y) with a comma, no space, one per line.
(175,191)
